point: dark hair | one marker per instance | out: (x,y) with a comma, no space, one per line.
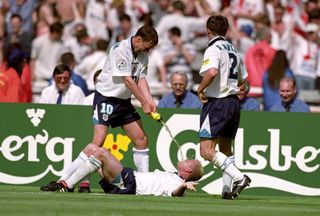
(178,5)
(175,31)
(61,68)
(218,25)
(124,17)
(16,58)
(16,16)
(67,58)
(314,14)
(277,68)
(148,34)
(56,27)
(81,34)
(102,44)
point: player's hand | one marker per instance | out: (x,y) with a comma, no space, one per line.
(147,108)
(203,98)
(190,185)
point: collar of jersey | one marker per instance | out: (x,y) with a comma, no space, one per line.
(215,39)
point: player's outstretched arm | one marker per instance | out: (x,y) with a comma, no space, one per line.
(182,188)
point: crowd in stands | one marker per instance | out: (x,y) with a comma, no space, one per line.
(276,38)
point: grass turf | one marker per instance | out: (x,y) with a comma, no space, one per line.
(22,200)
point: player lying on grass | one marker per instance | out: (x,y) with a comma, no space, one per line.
(119,180)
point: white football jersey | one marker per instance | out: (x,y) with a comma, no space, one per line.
(223,56)
(120,63)
(157,183)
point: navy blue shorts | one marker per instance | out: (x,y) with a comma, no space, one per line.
(220,117)
(129,182)
(114,112)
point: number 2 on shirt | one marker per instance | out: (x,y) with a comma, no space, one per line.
(233,73)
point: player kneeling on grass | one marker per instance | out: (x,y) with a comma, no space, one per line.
(119,180)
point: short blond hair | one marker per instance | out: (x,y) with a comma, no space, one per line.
(197,171)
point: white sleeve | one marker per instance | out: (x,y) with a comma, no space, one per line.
(210,60)
(120,65)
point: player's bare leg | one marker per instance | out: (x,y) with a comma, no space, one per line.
(99,134)
(134,131)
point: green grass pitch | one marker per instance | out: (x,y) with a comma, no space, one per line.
(22,200)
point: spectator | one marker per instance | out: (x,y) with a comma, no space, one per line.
(187,24)
(199,8)
(178,55)
(179,97)
(62,91)
(45,15)
(158,9)
(289,101)
(45,54)
(17,35)
(10,83)
(247,103)
(96,19)
(19,62)
(25,9)
(66,10)
(69,60)
(278,69)
(157,72)
(124,30)
(258,59)
(282,31)
(92,63)
(246,11)
(118,8)
(80,44)
(305,64)
(241,38)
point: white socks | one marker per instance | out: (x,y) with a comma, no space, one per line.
(90,166)
(221,161)
(227,180)
(141,159)
(82,158)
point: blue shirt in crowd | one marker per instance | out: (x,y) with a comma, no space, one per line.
(250,104)
(271,95)
(296,106)
(187,101)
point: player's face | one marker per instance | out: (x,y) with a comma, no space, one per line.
(178,85)
(143,46)
(287,91)
(241,93)
(62,80)
(183,166)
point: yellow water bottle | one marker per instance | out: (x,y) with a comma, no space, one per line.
(156,116)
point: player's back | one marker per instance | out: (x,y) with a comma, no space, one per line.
(223,56)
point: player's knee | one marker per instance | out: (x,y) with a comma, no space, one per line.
(90,149)
(141,143)
(206,153)
(100,153)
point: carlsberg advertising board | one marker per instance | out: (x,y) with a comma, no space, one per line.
(279,151)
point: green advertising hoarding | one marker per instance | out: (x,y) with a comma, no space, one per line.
(279,151)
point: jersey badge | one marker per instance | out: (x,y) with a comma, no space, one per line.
(121,64)
(105,117)
(205,62)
